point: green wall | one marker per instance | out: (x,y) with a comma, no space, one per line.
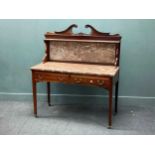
(21,46)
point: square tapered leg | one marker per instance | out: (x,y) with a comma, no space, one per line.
(34,88)
(116,97)
(48,93)
(110,110)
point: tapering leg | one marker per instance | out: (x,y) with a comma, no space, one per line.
(48,93)
(34,87)
(110,110)
(116,97)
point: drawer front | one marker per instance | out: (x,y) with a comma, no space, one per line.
(46,76)
(69,78)
(91,80)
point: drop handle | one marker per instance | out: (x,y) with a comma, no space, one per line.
(60,78)
(78,80)
(100,82)
(39,77)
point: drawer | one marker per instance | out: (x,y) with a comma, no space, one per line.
(47,76)
(42,76)
(91,80)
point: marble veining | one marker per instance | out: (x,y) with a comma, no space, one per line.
(82,52)
(77,68)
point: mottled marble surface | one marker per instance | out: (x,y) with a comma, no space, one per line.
(82,52)
(90,69)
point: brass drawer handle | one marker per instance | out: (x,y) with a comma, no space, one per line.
(100,82)
(77,80)
(60,78)
(39,77)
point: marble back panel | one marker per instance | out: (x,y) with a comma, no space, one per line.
(92,52)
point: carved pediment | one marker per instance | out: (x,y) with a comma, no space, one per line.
(93,32)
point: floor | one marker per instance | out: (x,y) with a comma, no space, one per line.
(16,118)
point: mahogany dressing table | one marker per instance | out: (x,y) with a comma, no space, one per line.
(86,59)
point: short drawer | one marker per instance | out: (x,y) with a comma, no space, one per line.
(92,80)
(47,76)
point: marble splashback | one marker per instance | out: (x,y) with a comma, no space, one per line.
(91,52)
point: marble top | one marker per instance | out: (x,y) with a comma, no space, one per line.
(77,68)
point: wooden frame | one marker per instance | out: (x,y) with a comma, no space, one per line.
(106,82)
